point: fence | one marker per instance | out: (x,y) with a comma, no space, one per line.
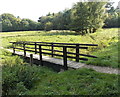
(42,47)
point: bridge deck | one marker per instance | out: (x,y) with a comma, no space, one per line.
(70,64)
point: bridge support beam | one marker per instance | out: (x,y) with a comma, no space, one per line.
(40,55)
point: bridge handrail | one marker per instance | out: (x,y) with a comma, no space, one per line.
(24,46)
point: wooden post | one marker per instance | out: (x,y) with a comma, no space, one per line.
(52,49)
(40,54)
(13,48)
(31,59)
(77,52)
(65,57)
(24,50)
(35,48)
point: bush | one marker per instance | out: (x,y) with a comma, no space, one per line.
(18,79)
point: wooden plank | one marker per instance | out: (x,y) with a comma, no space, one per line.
(19,48)
(40,55)
(30,50)
(24,50)
(35,48)
(62,46)
(70,64)
(31,59)
(65,57)
(58,43)
(67,43)
(53,54)
(29,47)
(52,49)
(88,55)
(85,59)
(13,48)
(77,53)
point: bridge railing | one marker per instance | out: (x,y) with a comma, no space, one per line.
(42,48)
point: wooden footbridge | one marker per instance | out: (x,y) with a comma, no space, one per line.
(38,50)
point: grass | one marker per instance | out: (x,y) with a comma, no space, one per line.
(107,40)
(107,57)
(77,82)
(19,78)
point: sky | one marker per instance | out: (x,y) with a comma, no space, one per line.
(33,9)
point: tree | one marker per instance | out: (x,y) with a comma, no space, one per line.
(8,21)
(112,16)
(60,20)
(48,26)
(87,17)
(11,23)
(39,26)
(32,24)
(6,25)
(24,24)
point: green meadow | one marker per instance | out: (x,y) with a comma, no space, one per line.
(19,78)
(106,51)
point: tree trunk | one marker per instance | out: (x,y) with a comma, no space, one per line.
(90,30)
(86,31)
(94,30)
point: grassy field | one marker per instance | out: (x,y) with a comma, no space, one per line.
(19,78)
(107,40)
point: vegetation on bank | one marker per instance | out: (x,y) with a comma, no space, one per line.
(19,78)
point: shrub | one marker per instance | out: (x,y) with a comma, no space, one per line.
(18,79)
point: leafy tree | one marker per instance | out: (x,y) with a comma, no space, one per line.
(32,24)
(48,26)
(87,17)
(24,25)
(112,16)
(62,20)
(6,25)
(40,26)
(11,23)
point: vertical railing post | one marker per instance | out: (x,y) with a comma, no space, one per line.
(13,48)
(24,49)
(31,59)
(52,47)
(35,48)
(77,52)
(40,54)
(65,57)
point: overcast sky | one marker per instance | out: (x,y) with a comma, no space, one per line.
(33,9)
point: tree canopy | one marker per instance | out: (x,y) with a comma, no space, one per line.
(87,17)
(83,17)
(12,23)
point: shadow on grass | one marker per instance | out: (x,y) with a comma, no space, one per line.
(54,67)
